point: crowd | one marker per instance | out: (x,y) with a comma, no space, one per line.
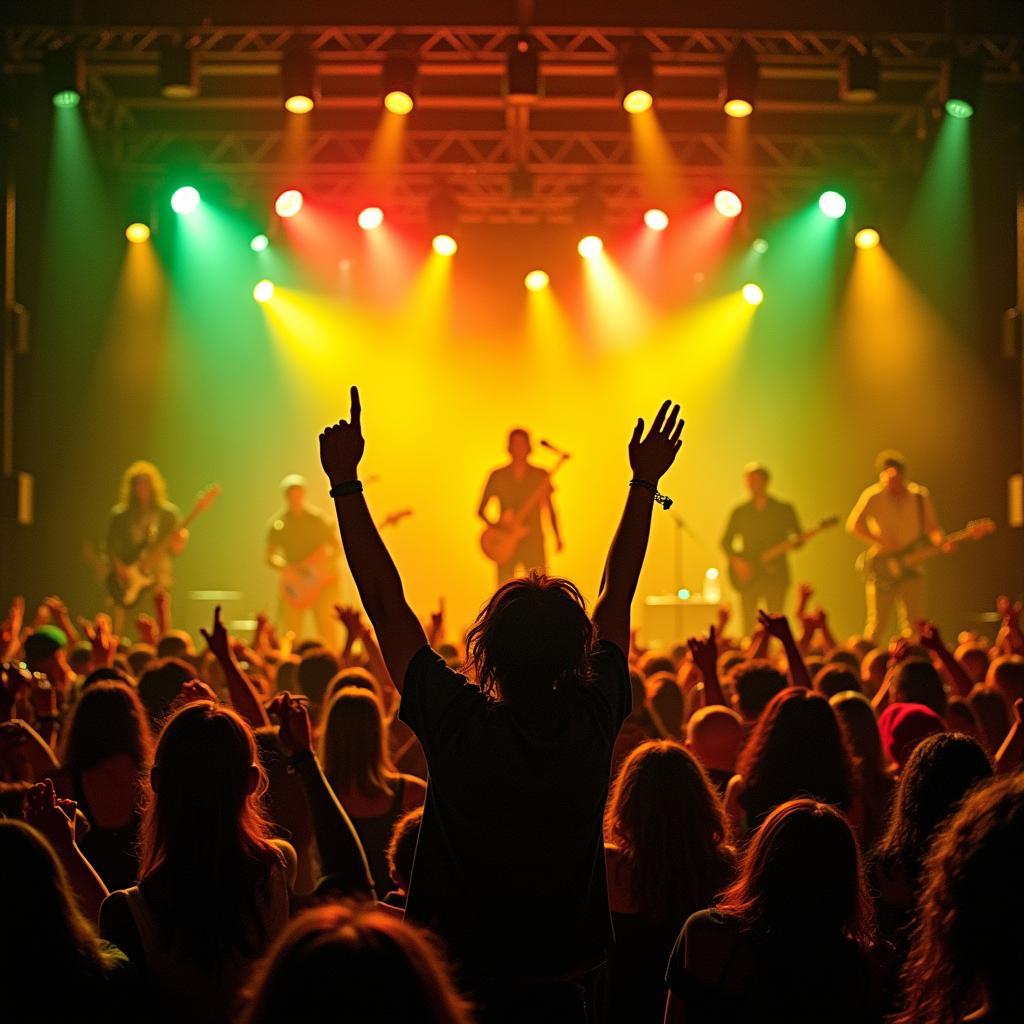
(536,820)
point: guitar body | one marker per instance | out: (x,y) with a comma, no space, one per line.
(741,572)
(126,591)
(302,585)
(499,542)
(745,571)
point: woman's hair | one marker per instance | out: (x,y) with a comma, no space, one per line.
(801,878)
(666,704)
(204,837)
(796,749)
(835,677)
(917,681)
(47,943)
(532,637)
(343,962)
(142,468)
(353,676)
(667,820)
(107,720)
(940,772)
(401,851)
(991,713)
(860,727)
(968,932)
(353,745)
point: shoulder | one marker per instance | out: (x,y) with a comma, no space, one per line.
(119,511)
(415,792)
(117,923)
(870,492)
(608,662)
(919,490)
(170,511)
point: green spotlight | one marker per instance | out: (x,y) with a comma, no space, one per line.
(68,98)
(185,200)
(259,243)
(760,246)
(832,204)
(955,108)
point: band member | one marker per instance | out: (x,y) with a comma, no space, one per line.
(303,545)
(513,486)
(141,519)
(889,516)
(754,527)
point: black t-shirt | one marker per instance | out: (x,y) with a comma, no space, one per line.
(509,867)
(752,531)
(514,492)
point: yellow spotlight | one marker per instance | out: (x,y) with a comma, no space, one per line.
(137,232)
(536,280)
(727,203)
(398,102)
(298,104)
(656,220)
(371,218)
(590,246)
(866,238)
(637,102)
(738,108)
(445,245)
(752,294)
(264,291)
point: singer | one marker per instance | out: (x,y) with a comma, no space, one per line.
(514,540)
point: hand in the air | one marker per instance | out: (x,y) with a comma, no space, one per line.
(650,457)
(704,652)
(775,625)
(931,639)
(51,815)
(218,641)
(292,713)
(342,444)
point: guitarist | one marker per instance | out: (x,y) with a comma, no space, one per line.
(512,486)
(302,538)
(754,527)
(143,518)
(889,516)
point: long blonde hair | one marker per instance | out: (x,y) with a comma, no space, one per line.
(142,468)
(353,749)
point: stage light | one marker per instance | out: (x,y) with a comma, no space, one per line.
(259,243)
(739,81)
(683,594)
(444,245)
(522,72)
(760,246)
(859,76)
(656,220)
(185,200)
(298,78)
(178,73)
(264,291)
(866,238)
(960,85)
(536,280)
(370,218)
(590,246)
(288,203)
(727,203)
(752,294)
(137,232)
(398,81)
(65,80)
(832,204)
(636,78)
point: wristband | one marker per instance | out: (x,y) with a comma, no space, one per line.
(347,487)
(662,499)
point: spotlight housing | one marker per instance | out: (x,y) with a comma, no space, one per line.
(832,204)
(264,291)
(299,87)
(739,81)
(288,203)
(655,219)
(178,73)
(867,238)
(760,246)
(398,83)
(443,221)
(960,86)
(259,243)
(444,245)
(370,218)
(63,70)
(536,280)
(727,203)
(590,247)
(185,200)
(859,77)
(753,294)
(636,78)
(522,71)
(137,232)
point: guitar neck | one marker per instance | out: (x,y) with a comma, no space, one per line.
(778,550)
(164,543)
(534,499)
(923,554)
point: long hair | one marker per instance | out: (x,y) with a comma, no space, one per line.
(107,720)
(204,838)
(860,727)
(797,749)
(47,944)
(970,911)
(142,468)
(532,637)
(357,961)
(353,749)
(668,822)
(940,772)
(801,878)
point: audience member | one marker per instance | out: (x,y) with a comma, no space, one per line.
(401,855)
(714,735)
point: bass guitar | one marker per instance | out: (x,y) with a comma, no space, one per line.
(889,570)
(745,571)
(127,582)
(500,540)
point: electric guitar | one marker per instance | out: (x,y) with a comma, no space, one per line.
(889,570)
(127,582)
(302,584)
(500,540)
(744,571)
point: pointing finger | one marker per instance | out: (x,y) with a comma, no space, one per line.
(357,409)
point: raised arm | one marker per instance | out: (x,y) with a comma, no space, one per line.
(778,626)
(398,630)
(932,641)
(650,458)
(705,657)
(244,698)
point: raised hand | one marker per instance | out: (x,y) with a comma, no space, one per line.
(146,627)
(100,634)
(218,641)
(292,713)
(931,640)
(704,652)
(650,457)
(899,650)
(10,629)
(774,625)
(724,615)
(52,816)
(436,630)
(341,445)
(351,618)
(193,690)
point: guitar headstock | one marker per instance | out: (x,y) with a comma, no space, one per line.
(395,518)
(828,522)
(978,528)
(207,497)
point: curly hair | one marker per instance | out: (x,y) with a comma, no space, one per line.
(968,929)
(531,638)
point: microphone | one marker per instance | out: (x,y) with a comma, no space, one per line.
(551,447)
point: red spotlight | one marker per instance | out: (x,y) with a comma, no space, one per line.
(370,218)
(288,203)
(727,203)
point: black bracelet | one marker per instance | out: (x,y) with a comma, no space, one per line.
(347,487)
(662,499)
